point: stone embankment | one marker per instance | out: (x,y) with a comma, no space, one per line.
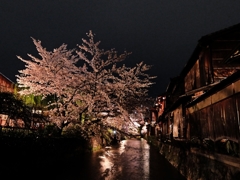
(196,163)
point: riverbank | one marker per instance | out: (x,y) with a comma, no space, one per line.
(196,163)
(35,158)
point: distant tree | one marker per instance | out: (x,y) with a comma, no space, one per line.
(87,80)
(35,101)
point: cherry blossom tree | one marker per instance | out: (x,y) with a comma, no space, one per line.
(86,80)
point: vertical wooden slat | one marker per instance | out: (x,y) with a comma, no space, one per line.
(238,122)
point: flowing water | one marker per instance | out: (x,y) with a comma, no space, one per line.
(129,160)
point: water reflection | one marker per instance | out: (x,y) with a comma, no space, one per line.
(128,160)
(135,159)
(106,163)
(121,149)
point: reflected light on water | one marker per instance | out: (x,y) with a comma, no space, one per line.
(129,160)
(122,146)
(106,164)
(146,157)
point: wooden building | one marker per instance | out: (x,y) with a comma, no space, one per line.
(203,101)
(215,114)
(6,85)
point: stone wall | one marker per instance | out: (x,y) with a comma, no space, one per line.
(195,164)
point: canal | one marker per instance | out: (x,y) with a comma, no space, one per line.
(132,160)
(129,160)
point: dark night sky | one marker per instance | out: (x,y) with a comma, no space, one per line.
(160,33)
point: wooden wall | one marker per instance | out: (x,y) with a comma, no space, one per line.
(6,85)
(217,116)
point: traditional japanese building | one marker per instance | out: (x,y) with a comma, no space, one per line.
(203,101)
(6,85)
